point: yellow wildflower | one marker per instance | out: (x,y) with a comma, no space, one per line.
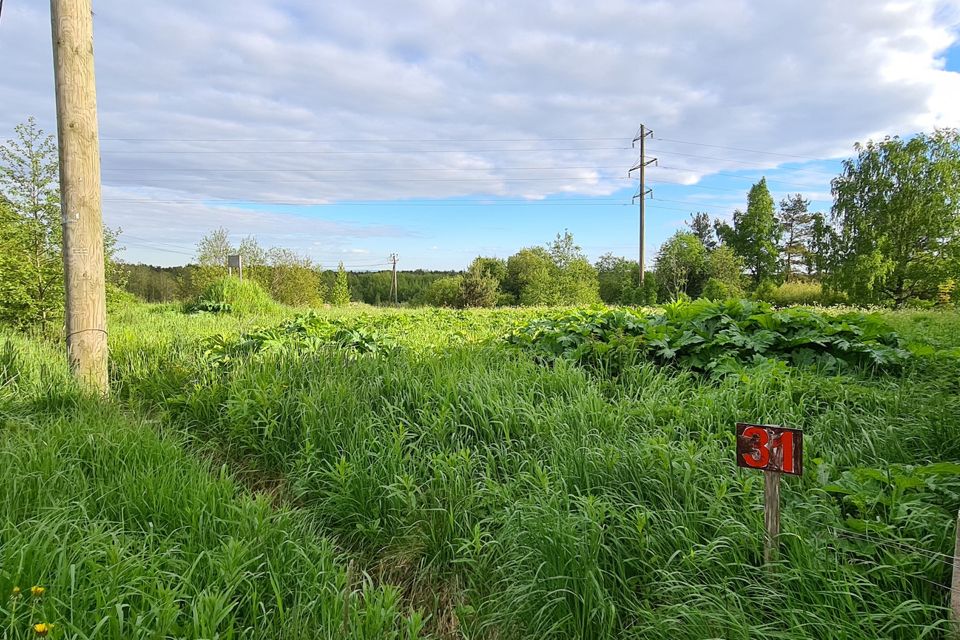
(36,591)
(42,628)
(15,592)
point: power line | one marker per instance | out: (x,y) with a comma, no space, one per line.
(215,182)
(719,146)
(363,140)
(190,254)
(364,180)
(736,176)
(127,235)
(701,186)
(744,162)
(654,202)
(446,140)
(692,204)
(653,205)
(179,248)
(321,203)
(207,181)
(127,244)
(340,152)
(365,169)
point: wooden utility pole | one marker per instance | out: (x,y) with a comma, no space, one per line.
(641,165)
(771,516)
(955,585)
(393,286)
(86,308)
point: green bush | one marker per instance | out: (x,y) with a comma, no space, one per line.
(119,298)
(765,291)
(802,293)
(791,293)
(444,292)
(647,293)
(716,289)
(506,300)
(232,295)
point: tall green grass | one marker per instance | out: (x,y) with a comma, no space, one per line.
(132,537)
(513,500)
(236,296)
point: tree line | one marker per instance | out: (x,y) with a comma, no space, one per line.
(182,283)
(556,274)
(892,237)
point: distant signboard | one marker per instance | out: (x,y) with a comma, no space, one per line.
(233,261)
(770,448)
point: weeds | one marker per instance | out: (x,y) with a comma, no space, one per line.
(713,337)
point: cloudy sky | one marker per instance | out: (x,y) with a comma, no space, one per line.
(444,129)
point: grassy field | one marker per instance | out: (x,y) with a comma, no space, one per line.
(408,474)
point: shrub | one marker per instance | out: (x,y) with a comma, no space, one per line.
(802,293)
(682,266)
(726,267)
(716,289)
(232,295)
(792,293)
(444,292)
(647,294)
(506,299)
(765,291)
(119,298)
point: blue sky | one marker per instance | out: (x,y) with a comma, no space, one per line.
(442,130)
(448,233)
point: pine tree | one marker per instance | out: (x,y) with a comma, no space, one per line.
(478,288)
(340,294)
(701,227)
(796,225)
(822,240)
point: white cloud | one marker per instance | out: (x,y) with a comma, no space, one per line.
(799,77)
(165,231)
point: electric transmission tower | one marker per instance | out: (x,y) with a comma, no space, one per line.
(642,192)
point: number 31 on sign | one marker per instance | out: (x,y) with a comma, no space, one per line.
(770,448)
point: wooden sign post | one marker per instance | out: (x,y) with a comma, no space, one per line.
(771,515)
(775,451)
(955,585)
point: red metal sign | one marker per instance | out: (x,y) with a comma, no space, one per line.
(770,448)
